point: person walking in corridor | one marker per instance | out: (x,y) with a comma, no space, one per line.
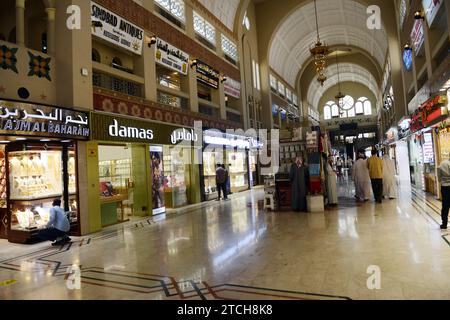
(361,178)
(444,178)
(375,166)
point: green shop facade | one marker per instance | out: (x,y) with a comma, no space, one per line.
(139,168)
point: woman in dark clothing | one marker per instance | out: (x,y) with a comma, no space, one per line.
(299,177)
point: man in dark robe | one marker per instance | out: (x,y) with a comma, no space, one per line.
(299,177)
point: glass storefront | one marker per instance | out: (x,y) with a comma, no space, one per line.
(37,174)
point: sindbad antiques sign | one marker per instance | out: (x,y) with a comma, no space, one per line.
(17,118)
(116,30)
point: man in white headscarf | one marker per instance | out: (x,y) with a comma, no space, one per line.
(389,180)
(361,178)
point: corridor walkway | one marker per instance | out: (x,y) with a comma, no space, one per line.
(236,250)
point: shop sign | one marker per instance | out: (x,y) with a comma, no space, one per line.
(228,140)
(171,57)
(417,36)
(17,118)
(116,30)
(431,8)
(115,128)
(183,134)
(232,88)
(416,121)
(207,75)
(431,110)
(428,149)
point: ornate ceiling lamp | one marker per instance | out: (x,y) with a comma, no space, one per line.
(340,96)
(319,52)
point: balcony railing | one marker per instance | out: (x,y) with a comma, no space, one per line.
(109,82)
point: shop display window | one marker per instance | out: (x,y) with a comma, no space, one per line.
(175,175)
(115,185)
(210,161)
(36,178)
(3,184)
(444,144)
(237,169)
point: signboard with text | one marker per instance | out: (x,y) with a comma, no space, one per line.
(17,118)
(232,88)
(116,128)
(428,149)
(171,57)
(417,36)
(116,30)
(207,75)
(431,8)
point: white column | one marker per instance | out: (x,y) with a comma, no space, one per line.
(51,14)
(20,22)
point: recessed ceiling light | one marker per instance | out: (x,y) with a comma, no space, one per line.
(45,140)
(4,141)
(21,139)
(66,141)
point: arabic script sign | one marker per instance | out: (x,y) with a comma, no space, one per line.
(171,57)
(17,118)
(207,75)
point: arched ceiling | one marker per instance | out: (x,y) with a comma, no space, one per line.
(347,73)
(224,10)
(341,22)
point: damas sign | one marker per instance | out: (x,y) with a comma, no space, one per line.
(116,130)
(116,30)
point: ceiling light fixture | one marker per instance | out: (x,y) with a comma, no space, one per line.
(340,96)
(319,53)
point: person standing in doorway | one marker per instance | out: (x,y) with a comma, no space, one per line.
(221,182)
(375,166)
(444,178)
(331,184)
(299,177)
(339,165)
(227,183)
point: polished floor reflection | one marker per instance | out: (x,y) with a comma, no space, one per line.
(236,250)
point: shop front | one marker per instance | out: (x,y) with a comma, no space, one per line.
(229,150)
(38,163)
(144,168)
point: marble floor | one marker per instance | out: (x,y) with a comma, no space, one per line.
(235,250)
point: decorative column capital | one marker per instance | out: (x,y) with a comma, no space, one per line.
(20,4)
(51,13)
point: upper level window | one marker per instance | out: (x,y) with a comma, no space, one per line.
(330,110)
(289,95)
(273,82)
(256,76)
(174,7)
(327,112)
(295,100)
(229,48)
(363,106)
(204,28)
(281,88)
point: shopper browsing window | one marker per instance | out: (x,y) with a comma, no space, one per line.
(221,182)
(57,227)
(444,177)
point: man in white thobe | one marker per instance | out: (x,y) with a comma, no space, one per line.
(389,179)
(361,178)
